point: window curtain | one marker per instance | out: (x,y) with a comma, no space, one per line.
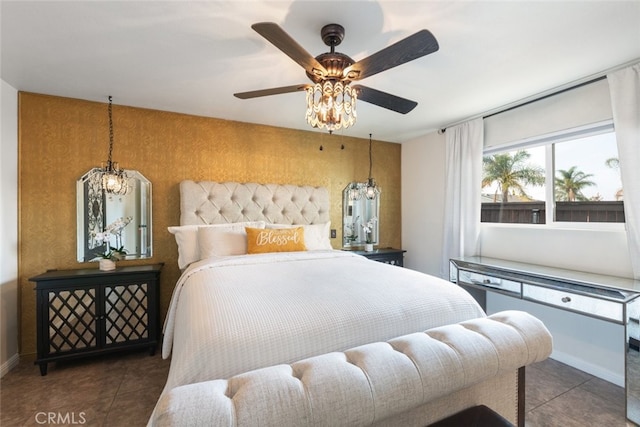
(463,170)
(624,86)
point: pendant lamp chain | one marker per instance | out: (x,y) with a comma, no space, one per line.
(372,191)
(114,180)
(110,131)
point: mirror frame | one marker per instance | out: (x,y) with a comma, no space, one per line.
(357,210)
(96,210)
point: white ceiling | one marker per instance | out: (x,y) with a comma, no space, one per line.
(190,57)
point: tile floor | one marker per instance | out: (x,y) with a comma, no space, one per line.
(558,395)
(115,390)
(121,390)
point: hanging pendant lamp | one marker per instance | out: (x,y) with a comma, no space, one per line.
(114,180)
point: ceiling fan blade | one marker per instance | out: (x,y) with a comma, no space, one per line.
(415,46)
(384,100)
(272,91)
(283,41)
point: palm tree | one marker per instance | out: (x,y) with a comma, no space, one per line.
(511,173)
(614,163)
(570,183)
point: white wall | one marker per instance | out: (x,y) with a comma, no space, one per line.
(9,356)
(422,177)
(593,251)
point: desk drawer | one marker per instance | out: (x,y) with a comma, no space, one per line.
(601,308)
(486,281)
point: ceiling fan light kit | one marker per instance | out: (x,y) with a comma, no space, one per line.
(331,105)
(331,99)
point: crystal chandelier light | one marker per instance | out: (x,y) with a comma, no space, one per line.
(355,191)
(114,180)
(331,104)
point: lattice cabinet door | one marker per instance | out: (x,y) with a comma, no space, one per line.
(126,313)
(88,311)
(72,320)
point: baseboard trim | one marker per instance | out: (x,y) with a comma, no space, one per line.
(9,364)
(589,368)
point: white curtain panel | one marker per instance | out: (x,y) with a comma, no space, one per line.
(462,191)
(624,86)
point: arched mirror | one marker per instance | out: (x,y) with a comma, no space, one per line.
(127,216)
(360,215)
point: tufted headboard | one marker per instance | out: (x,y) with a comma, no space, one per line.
(208,202)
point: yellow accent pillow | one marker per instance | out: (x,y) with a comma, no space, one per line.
(260,240)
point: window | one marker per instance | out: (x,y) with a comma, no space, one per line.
(514,186)
(570,176)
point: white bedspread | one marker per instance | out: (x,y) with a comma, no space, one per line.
(235,314)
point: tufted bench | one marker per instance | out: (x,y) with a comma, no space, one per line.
(370,384)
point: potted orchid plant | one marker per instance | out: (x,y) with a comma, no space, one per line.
(111,254)
(368,233)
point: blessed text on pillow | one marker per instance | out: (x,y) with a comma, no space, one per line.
(275,240)
(316,236)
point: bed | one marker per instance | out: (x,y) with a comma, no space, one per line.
(264,300)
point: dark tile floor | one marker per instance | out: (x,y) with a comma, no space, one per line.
(115,390)
(562,396)
(121,390)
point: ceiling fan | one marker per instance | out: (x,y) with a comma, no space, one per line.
(337,67)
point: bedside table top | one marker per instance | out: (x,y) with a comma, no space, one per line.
(92,272)
(377,251)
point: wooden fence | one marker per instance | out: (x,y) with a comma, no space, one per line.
(534,212)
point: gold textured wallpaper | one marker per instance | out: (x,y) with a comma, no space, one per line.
(60,139)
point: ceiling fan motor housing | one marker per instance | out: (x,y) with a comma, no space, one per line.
(334,63)
(332,34)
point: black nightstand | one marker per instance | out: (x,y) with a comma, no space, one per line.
(387,255)
(87,312)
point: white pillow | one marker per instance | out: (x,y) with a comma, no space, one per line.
(230,239)
(187,239)
(316,236)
